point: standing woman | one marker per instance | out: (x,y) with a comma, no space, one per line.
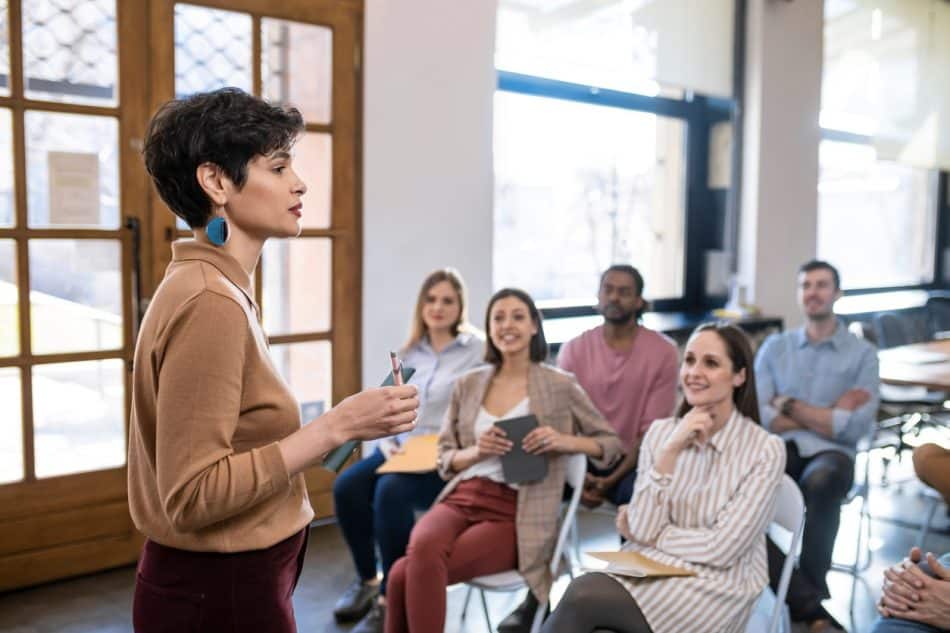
(216,448)
(480,524)
(702,501)
(380,509)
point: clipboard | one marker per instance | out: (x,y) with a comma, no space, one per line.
(337,457)
(636,565)
(419,454)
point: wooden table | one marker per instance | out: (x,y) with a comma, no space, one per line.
(918,365)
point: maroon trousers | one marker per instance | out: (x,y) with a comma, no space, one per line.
(469,533)
(178,591)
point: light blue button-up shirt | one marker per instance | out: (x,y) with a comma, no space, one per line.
(435,376)
(789,364)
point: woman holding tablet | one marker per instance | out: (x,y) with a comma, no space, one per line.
(481,524)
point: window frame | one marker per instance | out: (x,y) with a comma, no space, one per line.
(704,222)
(941,226)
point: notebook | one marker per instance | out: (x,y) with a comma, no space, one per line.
(520,467)
(635,565)
(337,457)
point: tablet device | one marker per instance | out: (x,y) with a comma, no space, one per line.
(337,457)
(518,466)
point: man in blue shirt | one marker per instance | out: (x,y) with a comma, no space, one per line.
(817,388)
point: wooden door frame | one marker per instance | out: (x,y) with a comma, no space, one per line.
(64,526)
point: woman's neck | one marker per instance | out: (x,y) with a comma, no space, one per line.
(440,338)
(515,365)
(245,249)
(720,413)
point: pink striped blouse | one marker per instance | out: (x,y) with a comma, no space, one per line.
(709,516)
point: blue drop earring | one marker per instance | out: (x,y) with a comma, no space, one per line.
(217,231)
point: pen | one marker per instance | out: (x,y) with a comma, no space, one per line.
(397,368)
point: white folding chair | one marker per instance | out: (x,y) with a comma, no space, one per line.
(509,581)
(789,515)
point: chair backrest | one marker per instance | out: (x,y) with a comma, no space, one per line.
(938,314)
(576,469)
(789,514)
(890,331)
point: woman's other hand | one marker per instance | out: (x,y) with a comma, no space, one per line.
(544,439)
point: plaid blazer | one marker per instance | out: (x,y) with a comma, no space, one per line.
(558,401)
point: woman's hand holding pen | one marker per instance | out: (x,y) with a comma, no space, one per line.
(367,415)
(376,413)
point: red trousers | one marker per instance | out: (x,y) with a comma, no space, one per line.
(178,591)
(470,533)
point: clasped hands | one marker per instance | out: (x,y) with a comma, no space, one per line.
(912,594)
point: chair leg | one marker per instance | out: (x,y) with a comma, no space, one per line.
(485,609)
(576,540)
(925,527)
(538,616)
(468,596)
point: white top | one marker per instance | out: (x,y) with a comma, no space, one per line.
(491,467)
(709,516)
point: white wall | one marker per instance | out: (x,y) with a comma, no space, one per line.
(427,165)
(778,229)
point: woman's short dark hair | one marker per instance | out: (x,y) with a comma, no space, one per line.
(538,346)
(226,127)
(740,353)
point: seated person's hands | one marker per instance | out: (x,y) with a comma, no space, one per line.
(622,523)
(911,594)
(493,443)
(544,439)
(852,399)
(594,490)
(389,446)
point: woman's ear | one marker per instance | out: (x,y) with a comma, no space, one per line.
(211,180)
(739,378)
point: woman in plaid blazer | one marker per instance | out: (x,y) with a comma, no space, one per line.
(480,524)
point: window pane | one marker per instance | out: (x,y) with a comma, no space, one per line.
(313,163)
(591,184)
(9,300)
(69,51)
(644,47)
(7,212)
(867,206)
(212,49)
(72,170)
(78,417)
(307,368)
(296,66)
(296,285)
(11,426)
(81,311)
(4,48)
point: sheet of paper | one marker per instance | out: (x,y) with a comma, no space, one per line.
(73,188)
(636,565)
(419,454)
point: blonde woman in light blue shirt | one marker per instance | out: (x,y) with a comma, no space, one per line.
(379,510)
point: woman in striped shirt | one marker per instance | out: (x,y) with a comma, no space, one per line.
(702,502)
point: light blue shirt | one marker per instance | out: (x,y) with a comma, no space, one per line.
(788,364)
(435,376)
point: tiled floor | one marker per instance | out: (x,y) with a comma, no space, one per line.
(101,603)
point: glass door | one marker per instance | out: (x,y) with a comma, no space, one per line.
(72,201)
